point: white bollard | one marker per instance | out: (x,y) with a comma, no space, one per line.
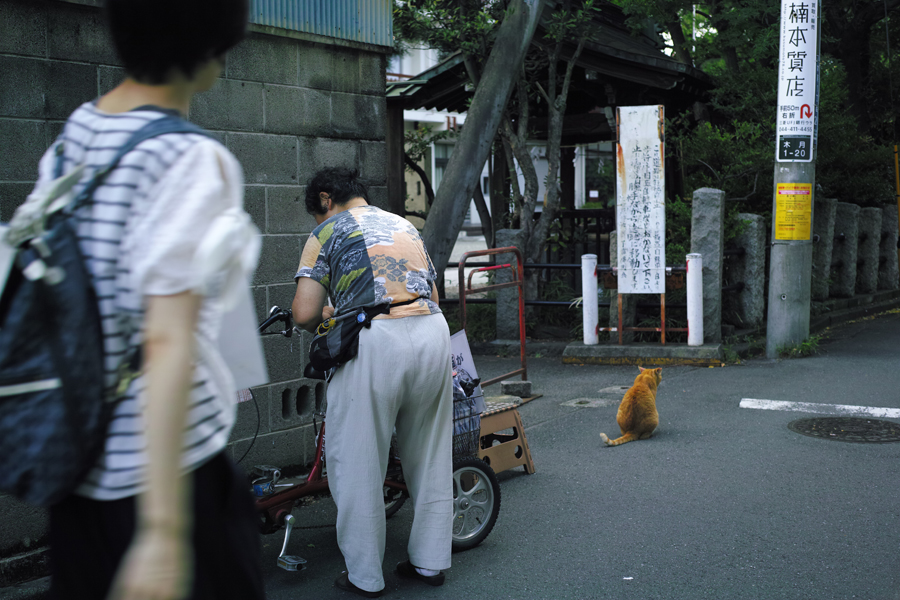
(695,299)
(589,299)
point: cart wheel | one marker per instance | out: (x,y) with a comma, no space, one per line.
(393,501)
(476,502)
(394,498)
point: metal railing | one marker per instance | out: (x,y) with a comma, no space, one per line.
(518,282)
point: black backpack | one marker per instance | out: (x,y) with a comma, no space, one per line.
(54,405)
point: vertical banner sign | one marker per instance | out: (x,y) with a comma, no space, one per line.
(797,76)
(640,209)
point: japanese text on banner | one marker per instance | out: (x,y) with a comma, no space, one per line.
(640,210)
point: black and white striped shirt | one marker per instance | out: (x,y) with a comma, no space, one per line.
(138,238)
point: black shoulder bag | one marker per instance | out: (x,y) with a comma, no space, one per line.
(336,340)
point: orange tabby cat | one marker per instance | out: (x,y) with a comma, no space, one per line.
(637,416)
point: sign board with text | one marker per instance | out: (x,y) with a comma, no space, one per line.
(640,200)
(793,211)
(798,81)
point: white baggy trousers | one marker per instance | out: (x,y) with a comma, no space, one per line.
(400,377)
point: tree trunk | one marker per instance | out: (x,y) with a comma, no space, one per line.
(500,191)
(679,44)
(429,191)
(474,144)
(487,229)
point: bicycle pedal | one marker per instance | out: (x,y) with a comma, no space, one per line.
(292,563)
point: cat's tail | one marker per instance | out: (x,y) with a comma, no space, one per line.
(628,437)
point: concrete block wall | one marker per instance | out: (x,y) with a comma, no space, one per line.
(284,107)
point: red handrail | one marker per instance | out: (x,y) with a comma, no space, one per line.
(465,286)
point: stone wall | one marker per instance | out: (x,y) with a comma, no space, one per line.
(856,250)
(284,107)
(708,239)
(750,269)
(823,246)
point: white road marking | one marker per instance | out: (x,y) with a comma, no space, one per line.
(827,409)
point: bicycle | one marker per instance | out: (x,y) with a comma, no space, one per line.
(476,490)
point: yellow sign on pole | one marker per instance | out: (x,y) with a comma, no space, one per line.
(793,211)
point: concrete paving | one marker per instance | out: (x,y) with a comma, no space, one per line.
(722,503)
(610,353)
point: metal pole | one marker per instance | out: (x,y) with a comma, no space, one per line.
(694,285)
(897,184)
(790,269)
(590,310)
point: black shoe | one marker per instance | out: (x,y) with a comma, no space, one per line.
(406,569)
(345,584)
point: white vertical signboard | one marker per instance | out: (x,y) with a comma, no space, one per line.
(797,90)
(640,209)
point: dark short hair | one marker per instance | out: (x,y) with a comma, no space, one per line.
(154,36)
(341,183)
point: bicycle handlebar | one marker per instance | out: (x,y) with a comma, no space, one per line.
(275,315)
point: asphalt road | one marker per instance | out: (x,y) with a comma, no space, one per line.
(723,503)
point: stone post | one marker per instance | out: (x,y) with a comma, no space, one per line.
(867,250)
(507,318)
(708,239)
(844,255)
(888,273)
(823,226)
(629,301)
(751,270)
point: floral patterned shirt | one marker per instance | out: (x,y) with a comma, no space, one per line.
(365,256)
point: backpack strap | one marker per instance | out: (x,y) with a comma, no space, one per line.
(60,157)
(157,127)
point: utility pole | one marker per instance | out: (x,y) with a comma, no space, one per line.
(790,269)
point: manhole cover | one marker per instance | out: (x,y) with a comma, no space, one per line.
(848,429)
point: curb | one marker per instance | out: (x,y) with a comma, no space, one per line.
(821,322)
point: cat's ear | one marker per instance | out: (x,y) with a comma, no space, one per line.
(641,368)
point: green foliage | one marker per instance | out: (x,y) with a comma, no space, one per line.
(678,230)
(733,150)
(851,168)
(570,22)
(600,175)
(481,321)
(730,356)
(735,157)
(449,25)
(418,141)
(562,318)
(809,347)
